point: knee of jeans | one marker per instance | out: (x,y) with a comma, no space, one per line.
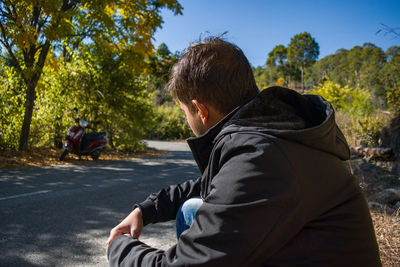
(191,205)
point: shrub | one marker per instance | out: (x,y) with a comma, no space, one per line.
(393,98)
(354,101)
(280,81)
(362,130)
(355,114)
(366,129)
(11,109)
(169,123)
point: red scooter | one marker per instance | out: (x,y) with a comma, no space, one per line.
(79,142)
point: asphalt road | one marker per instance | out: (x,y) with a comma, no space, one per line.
(62,215)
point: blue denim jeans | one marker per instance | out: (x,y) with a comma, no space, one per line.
(186,214)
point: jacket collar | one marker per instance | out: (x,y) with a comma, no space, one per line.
(202,146)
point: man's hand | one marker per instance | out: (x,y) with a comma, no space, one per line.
(132,225)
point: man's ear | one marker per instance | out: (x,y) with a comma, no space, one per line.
(201,110)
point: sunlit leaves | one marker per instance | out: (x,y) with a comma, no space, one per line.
(393,97)
(120,28)
(11,108)
(354,101)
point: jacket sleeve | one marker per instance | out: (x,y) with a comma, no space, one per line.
(248,203)
(164,205)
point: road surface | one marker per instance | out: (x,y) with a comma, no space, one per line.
(61,215)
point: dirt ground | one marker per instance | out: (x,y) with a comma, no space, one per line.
(375,178)
(380,181)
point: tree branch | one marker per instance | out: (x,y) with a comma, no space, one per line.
(4,41)
(43,54)
(41,24)
(67,5)
(35,16)
(6,14)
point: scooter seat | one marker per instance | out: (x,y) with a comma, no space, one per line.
(95,136)
(90,138)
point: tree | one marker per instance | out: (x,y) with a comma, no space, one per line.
(391,77)
(277,57)
(391,70)
(353,101)
(373,60)
(104,88)
(158,69)
(30,28)
(260,75)
(360,66)
(334,66)
(277,60)
(303,51)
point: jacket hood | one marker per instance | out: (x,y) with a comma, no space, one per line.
(284,113)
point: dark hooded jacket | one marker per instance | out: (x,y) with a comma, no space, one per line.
(276,192)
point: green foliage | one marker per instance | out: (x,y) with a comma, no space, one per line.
(11,108)
(260,75)
(390,75)
(303,51)
(102,88)
(364,66)
(355,114)
(107,90)
(58,94)
(353,101)
(393,97)
(278,66)
(158,68)
(30,28)
(169,120)
(277,57)
(367,128)
(170,123)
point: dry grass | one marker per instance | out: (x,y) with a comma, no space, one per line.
(387,230)
(362,130)
(48,157)
(37,157)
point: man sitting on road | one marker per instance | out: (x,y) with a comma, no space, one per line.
(274,189)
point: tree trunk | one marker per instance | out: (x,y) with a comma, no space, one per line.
(26,125)
(30,96)
(58,137)
(302,78)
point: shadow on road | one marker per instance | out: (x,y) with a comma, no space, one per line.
(61,215)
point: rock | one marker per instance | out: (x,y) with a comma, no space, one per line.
(373,204)
(389,196)
(390,135)
(395,166)
(372,152)
(397,205)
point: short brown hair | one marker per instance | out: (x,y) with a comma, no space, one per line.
(216,72)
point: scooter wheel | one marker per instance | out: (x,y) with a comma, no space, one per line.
(63,154)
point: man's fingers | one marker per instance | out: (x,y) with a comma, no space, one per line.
(111,238)
(132,225)
(114,233)
(136,233)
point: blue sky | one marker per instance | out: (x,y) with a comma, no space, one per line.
(257,26)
